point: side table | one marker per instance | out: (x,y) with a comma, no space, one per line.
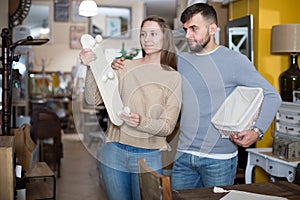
(37,184)
(274,166)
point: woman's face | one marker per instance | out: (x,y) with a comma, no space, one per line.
(151,37)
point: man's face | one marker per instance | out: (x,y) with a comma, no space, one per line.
(197,33)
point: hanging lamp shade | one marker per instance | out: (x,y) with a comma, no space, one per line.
(88,8)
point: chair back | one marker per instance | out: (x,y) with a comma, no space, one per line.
(153,186)
(45,124)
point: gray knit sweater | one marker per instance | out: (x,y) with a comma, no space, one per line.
(206,82)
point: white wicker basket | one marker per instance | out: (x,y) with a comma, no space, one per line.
(239,111)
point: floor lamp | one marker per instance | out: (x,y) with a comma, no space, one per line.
(7,59)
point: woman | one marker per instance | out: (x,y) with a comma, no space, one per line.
(151,87)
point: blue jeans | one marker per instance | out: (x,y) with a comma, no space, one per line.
(119,168)
(190,171)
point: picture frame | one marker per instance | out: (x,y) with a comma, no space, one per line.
(101,24)
(61,10)
(113,26)
(76,31)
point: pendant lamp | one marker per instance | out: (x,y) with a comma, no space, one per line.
(88,8)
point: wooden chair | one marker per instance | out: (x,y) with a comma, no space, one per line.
(45,125)
(297,175)
(153,186)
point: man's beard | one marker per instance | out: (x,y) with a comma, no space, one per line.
(199,47)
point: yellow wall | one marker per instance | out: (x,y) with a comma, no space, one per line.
(267,13)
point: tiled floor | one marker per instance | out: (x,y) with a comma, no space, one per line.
(79,176)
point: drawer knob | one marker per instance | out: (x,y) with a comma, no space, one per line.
(257,160)
(271,167)
(287,117)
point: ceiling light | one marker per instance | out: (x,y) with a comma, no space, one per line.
(88,8)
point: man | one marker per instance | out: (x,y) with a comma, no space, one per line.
(209,74)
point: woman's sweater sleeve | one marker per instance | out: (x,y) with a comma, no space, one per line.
(92,93)
(165,123)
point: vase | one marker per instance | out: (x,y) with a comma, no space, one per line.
(289,80)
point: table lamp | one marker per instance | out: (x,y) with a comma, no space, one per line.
(286,39)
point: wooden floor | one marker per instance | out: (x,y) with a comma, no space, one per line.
(79,176)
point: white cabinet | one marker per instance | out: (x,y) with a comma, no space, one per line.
(274,166)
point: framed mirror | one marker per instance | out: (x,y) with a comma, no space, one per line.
(18,10)
(112,22)
(38,19)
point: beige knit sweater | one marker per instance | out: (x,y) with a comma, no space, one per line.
(151,92)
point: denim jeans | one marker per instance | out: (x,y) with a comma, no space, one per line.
(119,168)
(190,171)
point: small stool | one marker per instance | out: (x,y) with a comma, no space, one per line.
(37,186)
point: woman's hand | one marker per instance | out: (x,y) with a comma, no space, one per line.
(118,63)
(86,56)
(131,119)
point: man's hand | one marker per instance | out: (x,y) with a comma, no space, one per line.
(118,63)
(86,56)
(244,138)
(131,119)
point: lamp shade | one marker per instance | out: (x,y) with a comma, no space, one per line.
(88,8)
(286,38)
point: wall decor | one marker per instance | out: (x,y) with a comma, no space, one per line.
(111,21)
(61,10)
(75,34)
(113,26)
(20,14)
(38,19)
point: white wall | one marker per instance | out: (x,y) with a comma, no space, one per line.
(3,15)
(62,57)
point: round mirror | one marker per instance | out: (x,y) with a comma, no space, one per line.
(19,14)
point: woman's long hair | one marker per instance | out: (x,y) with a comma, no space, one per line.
(168,54)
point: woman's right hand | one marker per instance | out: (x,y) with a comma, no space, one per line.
(118,63)
(86,56)
(131,119)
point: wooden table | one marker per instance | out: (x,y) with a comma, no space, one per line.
(281,189)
